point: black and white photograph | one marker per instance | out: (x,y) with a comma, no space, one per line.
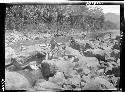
(62,46)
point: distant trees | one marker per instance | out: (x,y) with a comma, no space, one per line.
(54,18)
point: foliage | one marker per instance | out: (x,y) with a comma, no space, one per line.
(61,18)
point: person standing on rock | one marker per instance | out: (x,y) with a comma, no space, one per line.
(52,45)
(84,35)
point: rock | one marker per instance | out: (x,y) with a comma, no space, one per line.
(48,85)
(75,80)
(104,82)
(71,51)
(16,81)
(83,83)
(27,56)
(92,86)
(118,61)
(9,52)
(59,75)
(67,87)
(47,70)
(116,51)
(77,88)
(92,62)
(86,78)
(63,66)
(37,74)
(101,71)
(58,78)
(86,71)
(33,65)
(6,44)
(96,51)
(76,53)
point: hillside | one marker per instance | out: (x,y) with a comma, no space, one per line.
(114,18)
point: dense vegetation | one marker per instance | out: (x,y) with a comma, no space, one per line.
(55,18)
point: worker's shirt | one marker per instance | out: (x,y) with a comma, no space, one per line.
(53,44)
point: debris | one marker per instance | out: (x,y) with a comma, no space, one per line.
(82,65)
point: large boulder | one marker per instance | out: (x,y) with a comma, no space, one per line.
(58,78)
(92,85)
(92,62)
(95,51)
(63,66)
(104,82)
(29,55)
(9,52)
(18,81)
(76,53)
(71,51)
(47,70)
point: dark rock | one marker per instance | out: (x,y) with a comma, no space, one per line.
(115,55)
(115,71)
(47,71)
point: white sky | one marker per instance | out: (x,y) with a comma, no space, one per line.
(106,8)
(109,8)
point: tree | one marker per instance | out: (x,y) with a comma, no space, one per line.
(61,18)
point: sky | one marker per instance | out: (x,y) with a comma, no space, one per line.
(106,8)
(109,8)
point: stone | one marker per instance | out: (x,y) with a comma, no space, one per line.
(63,66)
(16,81)
(92,86)
(9,52)
(104,82)
(86,78)
(92,61)
(48,85)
